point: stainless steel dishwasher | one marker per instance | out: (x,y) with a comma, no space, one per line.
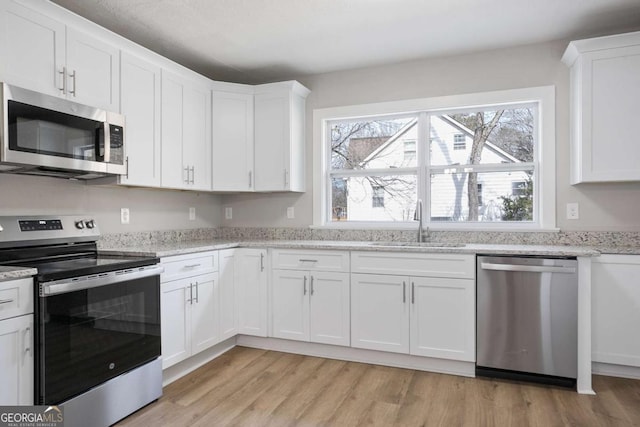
(527,319)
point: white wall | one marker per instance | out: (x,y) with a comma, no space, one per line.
(149,209)
(612,207)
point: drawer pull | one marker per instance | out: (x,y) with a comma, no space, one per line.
(308,260)
(192,265)
(304,286)
(6,301)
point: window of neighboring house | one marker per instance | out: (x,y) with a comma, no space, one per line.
(409,151)
(377,197)
(459,142)
(518,188)
(503,181)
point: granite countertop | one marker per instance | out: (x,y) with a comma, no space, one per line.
(10,273)
(187,247)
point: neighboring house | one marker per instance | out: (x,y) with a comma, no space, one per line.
(393,199)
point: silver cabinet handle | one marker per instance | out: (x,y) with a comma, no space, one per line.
(261,262)
(527,268)
(250,180)
(304,289)
(186,170)
(73,92)
(311,291)
(286,177)
(413,293)
(307,260)
(193,174)
(27,341)
(190,293)
(404,291)
(6,301)
(192,265)
(126,162)
(197,292)
(63,73)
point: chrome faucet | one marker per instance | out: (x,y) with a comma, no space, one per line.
(418,217)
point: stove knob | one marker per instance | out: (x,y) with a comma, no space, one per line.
(79,224)
(90,224)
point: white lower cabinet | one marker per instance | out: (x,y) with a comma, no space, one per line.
(251,265)
(228,307)
(418,315)
(16,342)
(310,298)
(615,308)
(310,306)
(189,299)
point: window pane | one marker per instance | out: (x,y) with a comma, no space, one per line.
(371,144)
(499,196)
(505,135)
(373,198)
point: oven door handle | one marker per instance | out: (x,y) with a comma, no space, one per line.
(93,281)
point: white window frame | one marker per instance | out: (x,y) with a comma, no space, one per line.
(544,178)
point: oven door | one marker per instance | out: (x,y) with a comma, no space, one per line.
(93,329)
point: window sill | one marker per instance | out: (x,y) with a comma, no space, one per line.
(438,227)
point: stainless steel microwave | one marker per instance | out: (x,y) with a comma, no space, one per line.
(46,135)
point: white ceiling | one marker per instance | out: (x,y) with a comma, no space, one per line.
(255,41)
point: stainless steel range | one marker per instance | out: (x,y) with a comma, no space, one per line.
(97,346)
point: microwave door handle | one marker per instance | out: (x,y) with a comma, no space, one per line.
(107,142)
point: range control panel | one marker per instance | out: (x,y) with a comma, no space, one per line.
(40,225)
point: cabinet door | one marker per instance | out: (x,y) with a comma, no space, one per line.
(16,360)
(176,321)
(272,137)
(232,141)
(290,304)
(610,89)
(252,292)
(205,329)
(443,318)
(228,307)
(615,303)
(173,173)
(380,312)
(196,142)
(32,49)
(329,308)
(93,71)
(140,104)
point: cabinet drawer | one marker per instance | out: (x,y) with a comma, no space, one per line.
(16,298)
(189,265)
(414,264)
(310,260)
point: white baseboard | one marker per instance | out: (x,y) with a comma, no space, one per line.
(420,363)
(612,370)
(189,365)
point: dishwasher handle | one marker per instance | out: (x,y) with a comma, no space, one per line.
(527,268)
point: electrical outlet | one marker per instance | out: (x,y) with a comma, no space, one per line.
(124,216)
(573,211)
(228,213)
(291,212)
(192,214)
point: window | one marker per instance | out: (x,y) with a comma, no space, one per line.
(372,168)
(409,151)
(377,197)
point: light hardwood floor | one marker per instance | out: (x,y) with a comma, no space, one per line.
(250,387)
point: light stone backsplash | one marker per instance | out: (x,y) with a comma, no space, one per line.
(597,239)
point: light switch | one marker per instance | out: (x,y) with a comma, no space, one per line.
(228,213)
(291,212)
(192,214)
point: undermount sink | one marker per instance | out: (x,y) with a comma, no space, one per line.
(420,244)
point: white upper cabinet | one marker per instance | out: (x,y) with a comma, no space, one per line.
(140,104)
(186,132)
(232,137)
(44,55)
(605,98)
(280,136)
